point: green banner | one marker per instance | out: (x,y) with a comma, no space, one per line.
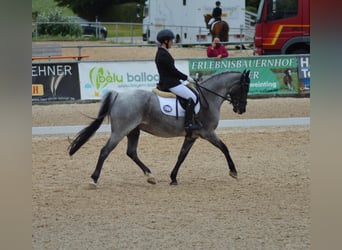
(269,75)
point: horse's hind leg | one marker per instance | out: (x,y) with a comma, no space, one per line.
(105,151)
(132,144)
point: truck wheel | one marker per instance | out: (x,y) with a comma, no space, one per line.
(302,50)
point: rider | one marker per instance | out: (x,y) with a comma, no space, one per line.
(216,14)
(170,76)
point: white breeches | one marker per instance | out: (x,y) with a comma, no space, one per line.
(211,21)
(183,91)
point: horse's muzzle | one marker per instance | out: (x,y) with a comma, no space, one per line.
(239,110)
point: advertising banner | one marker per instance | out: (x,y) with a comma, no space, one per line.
(269,75)
(55,81)
(96,78)
(304,74)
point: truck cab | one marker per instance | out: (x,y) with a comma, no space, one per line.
(282,27)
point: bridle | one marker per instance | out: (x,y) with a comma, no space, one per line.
(242,85)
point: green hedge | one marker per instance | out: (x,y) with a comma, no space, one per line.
(121,13)
(55,15)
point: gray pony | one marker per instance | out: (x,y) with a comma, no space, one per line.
(133,111)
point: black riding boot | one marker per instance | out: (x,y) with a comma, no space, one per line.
(209,28)
(191,123)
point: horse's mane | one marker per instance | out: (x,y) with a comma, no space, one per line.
(218,75)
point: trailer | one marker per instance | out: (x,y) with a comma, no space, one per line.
(186,19)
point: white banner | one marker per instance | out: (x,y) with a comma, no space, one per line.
(96,78)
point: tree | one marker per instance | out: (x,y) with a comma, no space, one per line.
(90,9)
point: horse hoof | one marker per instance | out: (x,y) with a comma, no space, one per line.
(173,183)
(151,179)
(92,185)
(233,174)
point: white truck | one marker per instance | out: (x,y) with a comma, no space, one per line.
(186,19)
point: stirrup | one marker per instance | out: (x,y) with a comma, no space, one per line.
(191,127)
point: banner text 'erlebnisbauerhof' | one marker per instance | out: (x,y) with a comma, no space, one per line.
(268,74)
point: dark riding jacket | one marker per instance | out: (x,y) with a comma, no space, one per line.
(217,13)
(169,75)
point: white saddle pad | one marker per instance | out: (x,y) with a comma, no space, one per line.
(169,106)
(213,24)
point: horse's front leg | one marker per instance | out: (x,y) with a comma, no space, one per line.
(217,142)
(187,144)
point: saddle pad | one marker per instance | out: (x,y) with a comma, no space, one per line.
(169,106)
(213,24)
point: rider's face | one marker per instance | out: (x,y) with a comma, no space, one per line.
(170,42)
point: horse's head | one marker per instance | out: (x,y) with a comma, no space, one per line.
(238,93)
(207,18)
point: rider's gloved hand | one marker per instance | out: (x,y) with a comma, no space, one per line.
(191,80)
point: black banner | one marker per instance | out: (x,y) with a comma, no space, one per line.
(55,81)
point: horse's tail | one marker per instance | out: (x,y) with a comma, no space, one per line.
(84,135)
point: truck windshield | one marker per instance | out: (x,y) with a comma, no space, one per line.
(279,9)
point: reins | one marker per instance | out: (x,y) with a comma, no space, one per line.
(198,87)
(227,98)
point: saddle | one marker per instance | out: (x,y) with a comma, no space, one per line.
(213,24)
(169,102)
(216,20)
(168,94)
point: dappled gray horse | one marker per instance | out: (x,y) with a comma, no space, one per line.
(137,110)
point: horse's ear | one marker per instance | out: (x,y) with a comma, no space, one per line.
(246,73)
(247,76)
(243,75)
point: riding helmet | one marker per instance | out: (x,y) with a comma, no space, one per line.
(165,35)
(218,3)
